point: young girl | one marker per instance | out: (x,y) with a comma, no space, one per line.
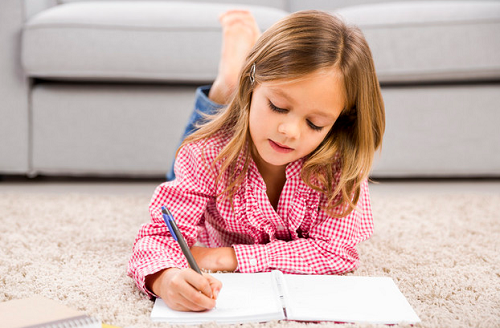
(277,179)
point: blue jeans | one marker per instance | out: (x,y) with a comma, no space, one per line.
(202,105)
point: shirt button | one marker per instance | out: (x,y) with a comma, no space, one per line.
(253,262)
(280,228)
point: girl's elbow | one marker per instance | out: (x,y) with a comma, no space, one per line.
(347,266)
(347,262)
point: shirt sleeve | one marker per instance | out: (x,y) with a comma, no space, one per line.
(186,197)
(330,246)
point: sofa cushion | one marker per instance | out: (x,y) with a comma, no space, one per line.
(130,40)
(281,4)
(431,40)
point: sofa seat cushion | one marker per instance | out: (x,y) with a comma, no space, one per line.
(430,41)
(130,40)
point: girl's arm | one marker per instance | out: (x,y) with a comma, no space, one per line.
(215,259)
(329,248)
(186,197)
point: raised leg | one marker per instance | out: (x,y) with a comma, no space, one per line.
(239,33)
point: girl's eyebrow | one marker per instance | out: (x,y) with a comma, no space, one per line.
(324,115)
(282,93)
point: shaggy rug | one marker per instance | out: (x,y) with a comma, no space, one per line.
(443,251)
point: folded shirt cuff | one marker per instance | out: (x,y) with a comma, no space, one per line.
(252,258)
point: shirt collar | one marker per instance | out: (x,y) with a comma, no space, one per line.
(292,171)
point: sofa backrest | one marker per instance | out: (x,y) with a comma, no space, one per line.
(33,7)
(288,5)
(280,4)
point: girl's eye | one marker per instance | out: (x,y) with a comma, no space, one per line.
(282,110)
(276,109)
(314,127)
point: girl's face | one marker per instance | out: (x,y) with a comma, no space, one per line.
(290,119)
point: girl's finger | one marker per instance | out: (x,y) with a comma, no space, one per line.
(215,285)
(186,304)
(197,290)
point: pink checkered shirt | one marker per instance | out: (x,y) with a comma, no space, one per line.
(299,237)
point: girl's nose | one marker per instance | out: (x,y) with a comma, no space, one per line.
(289,129)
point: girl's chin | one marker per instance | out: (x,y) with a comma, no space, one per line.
(277,160)
(269,156)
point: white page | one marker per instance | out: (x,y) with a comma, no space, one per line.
(243,298)
(346,299)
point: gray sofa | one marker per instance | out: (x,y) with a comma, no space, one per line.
(104,88)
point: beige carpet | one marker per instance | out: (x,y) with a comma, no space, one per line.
(442,251)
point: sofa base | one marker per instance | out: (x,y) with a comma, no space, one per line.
(432,131)
(112,130)
(441,131)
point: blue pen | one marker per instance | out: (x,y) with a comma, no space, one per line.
(176,233)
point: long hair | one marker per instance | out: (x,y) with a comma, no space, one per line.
(300,44)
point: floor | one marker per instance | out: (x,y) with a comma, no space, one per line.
(147,186)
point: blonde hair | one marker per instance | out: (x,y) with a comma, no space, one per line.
(302,43)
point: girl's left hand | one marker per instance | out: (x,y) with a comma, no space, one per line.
(215,259)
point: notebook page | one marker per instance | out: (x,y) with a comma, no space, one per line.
(245,297)
(346,299)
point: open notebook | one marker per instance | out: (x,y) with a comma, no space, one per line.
(259,297)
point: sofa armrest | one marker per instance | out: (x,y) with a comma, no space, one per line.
(14,90)
(33,7)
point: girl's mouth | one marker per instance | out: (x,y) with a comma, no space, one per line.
(279,147)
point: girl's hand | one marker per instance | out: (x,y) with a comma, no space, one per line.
(185,289)
(215,259)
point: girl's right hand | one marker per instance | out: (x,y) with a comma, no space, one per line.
(185,289)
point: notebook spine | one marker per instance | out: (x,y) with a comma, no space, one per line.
(280,288)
